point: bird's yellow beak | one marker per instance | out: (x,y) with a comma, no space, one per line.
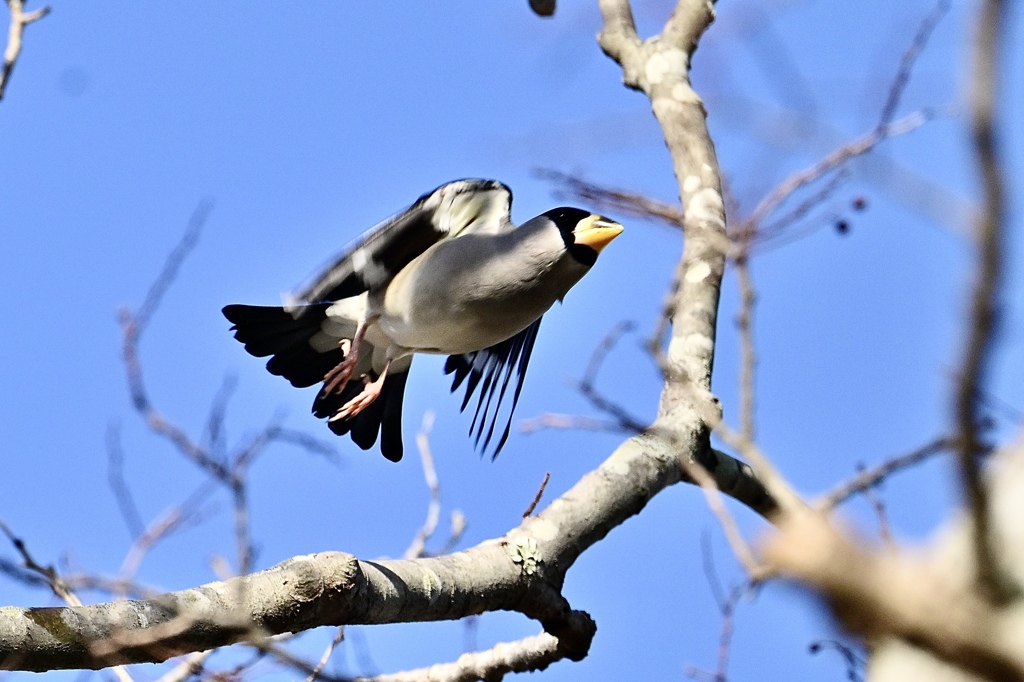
(596,231)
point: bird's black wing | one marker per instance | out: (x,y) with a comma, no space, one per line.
(491,370)
(449,211)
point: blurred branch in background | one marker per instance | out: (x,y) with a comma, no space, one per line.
(986,299)
(227,469)
(418,548)
(953,610)
(727,605)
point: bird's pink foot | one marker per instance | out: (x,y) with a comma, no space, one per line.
(342,372)
(371,391)
(338,376)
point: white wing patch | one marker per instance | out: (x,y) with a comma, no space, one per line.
(470,206)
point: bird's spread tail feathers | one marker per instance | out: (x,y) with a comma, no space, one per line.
(278,332)
(272,330)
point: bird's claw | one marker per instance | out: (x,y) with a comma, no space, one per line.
(371,391)
(342,372)
(338,376)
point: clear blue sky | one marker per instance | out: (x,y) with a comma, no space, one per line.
(308,123)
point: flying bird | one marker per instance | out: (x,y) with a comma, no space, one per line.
(450,275)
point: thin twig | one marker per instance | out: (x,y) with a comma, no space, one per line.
(612,199)
(855,664)
(553,420)
(339,636)
(172,520)
(304,441)
(586,386)
(48,573)
(118,485)
(878,504)
(191,665)
(600,353)
(243,530)
(83,582)
(621,420)
(540,493)
(172,265)
(458,528)
(899,83)
(870,478)
(19,20)
(214,436)
(634,203)
(830,162)
(418,546)
(699,475)
(777,233)
(727,606)
(656,341)
(56,583)
(132,328)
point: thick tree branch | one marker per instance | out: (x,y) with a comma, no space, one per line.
(522,571)
(659,67)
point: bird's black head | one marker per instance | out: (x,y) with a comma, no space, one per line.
(584,233)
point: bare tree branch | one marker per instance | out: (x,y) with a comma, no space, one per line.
(881,593)
(19,20)
(47,573)
(869,478)
(837,158)
(899,83)
(618,201)
(986,300)
(339,636)
(727,607)
(418,546)
(191,665)
(59,586)
(115,478)
(529,654)
(540,493)
(323,589)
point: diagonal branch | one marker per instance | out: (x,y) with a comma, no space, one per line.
(870,478)
(19,20)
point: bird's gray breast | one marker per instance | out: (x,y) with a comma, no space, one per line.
(475,291)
